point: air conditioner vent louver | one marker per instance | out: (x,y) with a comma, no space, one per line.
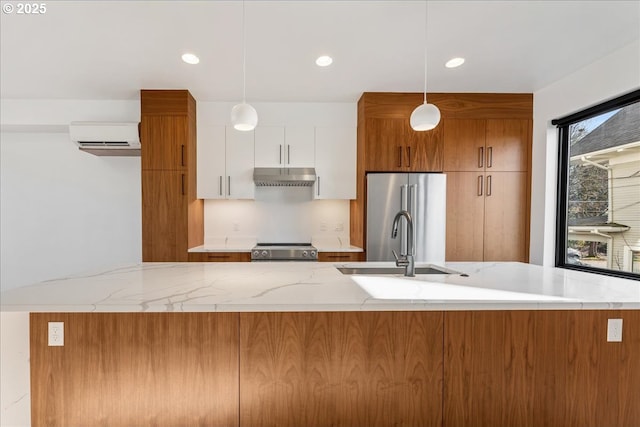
(104,143)
(106,138)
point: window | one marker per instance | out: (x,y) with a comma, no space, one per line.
(598,218)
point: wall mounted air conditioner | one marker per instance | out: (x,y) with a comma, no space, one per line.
(106,138)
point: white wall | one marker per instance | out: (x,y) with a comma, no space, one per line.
(64,211)
(280,214)
(611,76)
(15,398)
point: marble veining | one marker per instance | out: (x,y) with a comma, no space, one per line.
(308,286)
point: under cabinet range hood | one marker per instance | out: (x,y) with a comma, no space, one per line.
(284,177)
(106,138)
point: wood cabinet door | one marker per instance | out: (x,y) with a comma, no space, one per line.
(507,145)
(219,256)
(341,369)
(164,142)
(464,144)
(465,216)
(341,256)
(424,150)
(164,216)
(386,141)
(505,216)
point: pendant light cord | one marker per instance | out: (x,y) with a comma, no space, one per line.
(426,6)
(244,58)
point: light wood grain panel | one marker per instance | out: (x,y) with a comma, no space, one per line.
(135,369)
(465,216)
(505,218)
(219,256)
(425,149)
(165,102)
(508,145)
(540,368)
(355,369)
(385,145)
(464,145)
(163,217)
(340,256)
(451,105)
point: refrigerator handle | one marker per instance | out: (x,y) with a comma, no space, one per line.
(413,207)
(404,205)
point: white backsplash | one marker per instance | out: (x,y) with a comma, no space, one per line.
(277,215)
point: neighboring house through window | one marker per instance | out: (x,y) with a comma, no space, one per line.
(599,189)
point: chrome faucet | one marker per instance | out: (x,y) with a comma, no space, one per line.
(405,260)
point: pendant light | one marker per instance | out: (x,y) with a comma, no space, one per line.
(425,116)
(244,116)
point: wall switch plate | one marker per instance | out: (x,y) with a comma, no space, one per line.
(56,334)
(614,330)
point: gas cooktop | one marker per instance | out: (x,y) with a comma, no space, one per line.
(284,252)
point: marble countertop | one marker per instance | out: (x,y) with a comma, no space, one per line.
(314,286)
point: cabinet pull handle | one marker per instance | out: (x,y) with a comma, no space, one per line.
(488,185)
(318,189)
(399,157)
(409,156)
(288,154)
(480,157)
(280,162)
(182,183)
(182,155)
(229,185)
(220,186)
(490,157)
(480,185)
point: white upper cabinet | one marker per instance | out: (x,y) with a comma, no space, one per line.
(225,163)
(212,175)
(299,146)
(284,147)
(240,164)
(335,163)
(270,146)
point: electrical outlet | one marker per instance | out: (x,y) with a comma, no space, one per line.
(56,334)
(323,226)
(614,330)
(339,227)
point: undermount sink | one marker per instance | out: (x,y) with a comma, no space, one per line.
(394,270)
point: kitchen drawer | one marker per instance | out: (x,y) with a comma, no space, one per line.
(219,256)
(340,256)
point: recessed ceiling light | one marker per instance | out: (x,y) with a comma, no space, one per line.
(620,150)
(454,62)
(324,61)
(190,58)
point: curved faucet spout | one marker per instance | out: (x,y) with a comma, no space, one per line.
(405,260)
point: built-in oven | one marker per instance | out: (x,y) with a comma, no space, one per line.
(284,252)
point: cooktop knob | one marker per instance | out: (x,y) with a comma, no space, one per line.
(256,253)
(313,253)
(304,253)
(264,253)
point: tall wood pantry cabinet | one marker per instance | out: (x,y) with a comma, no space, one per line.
(172,216)
(482,143)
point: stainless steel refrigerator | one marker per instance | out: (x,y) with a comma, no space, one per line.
(424,196)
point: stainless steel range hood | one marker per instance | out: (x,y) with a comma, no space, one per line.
(284,177)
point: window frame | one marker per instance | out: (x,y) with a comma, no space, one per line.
(562,125)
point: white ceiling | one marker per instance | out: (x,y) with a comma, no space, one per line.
(111,49)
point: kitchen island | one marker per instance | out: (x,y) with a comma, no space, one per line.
(302,344)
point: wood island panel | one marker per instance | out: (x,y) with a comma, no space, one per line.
(340,256)
(135,369)
(341,368)
(540,368)
(219,256)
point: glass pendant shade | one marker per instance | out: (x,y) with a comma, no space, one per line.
(425,117)
(244,117)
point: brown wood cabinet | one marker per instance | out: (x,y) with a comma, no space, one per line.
(172,216)
(341,256)
(486,134)
(392,146)
(417,368)
(219,256)
(487,164)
